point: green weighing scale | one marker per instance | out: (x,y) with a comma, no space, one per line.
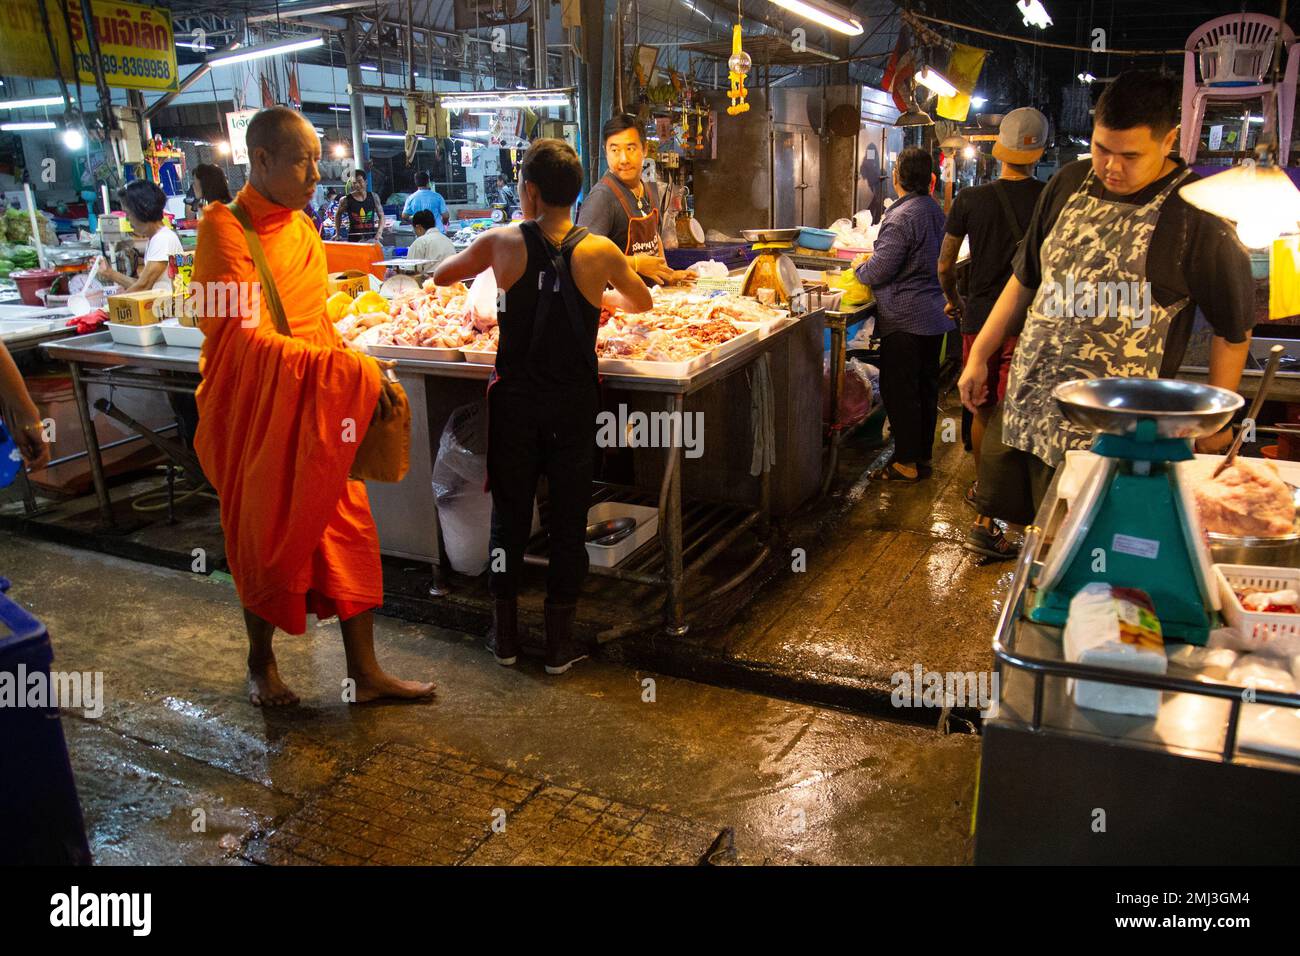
(1133,522)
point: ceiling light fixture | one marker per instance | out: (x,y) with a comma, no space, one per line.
(265,50)
(1086,77)
(934,80)
(977,101)
(829,15)
(36,101)
(22,127)
(506,99)
(1034,14)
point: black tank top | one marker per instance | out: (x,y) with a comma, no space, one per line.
(548,330)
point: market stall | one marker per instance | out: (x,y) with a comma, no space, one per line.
(690,533)
(1146,651)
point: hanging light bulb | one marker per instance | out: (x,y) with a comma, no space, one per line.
(223,147)
(1258,197)
(74,138)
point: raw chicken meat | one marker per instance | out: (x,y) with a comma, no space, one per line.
(1248,499)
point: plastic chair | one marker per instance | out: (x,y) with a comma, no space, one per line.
(1235,55)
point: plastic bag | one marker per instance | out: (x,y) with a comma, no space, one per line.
(459,479)
(708,269)
(856,293)
(855,398)
(482,300)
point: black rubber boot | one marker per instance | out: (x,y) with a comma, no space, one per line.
(562,652)
(503,639)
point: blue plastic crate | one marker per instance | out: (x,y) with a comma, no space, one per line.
(40,815)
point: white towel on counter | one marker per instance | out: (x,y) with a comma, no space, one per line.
(762,415)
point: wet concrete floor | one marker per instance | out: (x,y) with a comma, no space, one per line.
(178,744)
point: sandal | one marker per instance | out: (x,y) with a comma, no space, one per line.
(891,472)
(971,493)
(991,543)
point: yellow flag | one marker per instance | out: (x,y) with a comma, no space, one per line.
(963,72)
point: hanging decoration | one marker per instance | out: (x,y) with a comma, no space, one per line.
(737,69)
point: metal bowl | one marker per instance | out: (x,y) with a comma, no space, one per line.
(770,235)
(611,532)
(1276,551)
(1116,405)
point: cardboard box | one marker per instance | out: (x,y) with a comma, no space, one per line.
(352,282)
(135,308)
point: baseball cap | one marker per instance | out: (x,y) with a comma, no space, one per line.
(1022,136)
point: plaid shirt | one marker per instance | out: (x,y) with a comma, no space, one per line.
(903,270)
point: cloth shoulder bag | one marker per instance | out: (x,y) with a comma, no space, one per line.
(385,452)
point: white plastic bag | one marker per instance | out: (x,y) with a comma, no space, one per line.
(482,300)
(459,477)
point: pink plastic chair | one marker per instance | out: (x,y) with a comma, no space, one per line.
(1236,55)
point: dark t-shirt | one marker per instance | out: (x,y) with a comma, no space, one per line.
(362,217)
(603,214)
(1192,253)
(977,212)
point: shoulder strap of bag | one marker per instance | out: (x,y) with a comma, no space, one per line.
(270,294)
(1017,230)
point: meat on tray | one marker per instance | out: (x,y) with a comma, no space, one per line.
(1249,499)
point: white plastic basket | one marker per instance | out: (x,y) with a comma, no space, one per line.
(1260,630)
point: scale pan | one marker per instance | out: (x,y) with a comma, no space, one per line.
(1116,405)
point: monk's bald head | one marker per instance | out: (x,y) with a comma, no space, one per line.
(283,150)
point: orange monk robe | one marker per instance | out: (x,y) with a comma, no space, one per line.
(280,421)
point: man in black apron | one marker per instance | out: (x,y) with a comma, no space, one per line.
(624,208)
(1111,272)
(542,398)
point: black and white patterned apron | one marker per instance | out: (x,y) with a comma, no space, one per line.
(1093,316)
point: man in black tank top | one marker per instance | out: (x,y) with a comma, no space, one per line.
(543,396)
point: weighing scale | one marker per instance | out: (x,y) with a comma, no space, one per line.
(772,268)
(1134,523)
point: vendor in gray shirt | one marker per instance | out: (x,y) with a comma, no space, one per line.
(624,208)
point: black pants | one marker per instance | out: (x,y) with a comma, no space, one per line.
(530,435)
(909,388)
(1012,483)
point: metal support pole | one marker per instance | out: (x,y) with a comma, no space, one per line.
(92,446)
(410,49)
(670,525)
(539,44)
(356,102)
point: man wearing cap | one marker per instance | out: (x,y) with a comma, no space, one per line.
(1113,270)
(995,217)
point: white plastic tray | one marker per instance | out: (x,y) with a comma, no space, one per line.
(647,526)
(135,334)
(415,353)
(1277,634)
(181,336)
(751,333)
(477,357)
(656,369)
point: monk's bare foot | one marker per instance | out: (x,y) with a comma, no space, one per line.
(265,688)
(380,685)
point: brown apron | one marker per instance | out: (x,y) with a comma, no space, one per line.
(642,231)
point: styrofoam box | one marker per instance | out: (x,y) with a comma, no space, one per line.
(647,526)
(135,334)
(181,336)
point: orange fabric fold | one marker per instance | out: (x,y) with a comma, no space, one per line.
(280,421)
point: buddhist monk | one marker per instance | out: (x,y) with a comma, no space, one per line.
(280,421)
